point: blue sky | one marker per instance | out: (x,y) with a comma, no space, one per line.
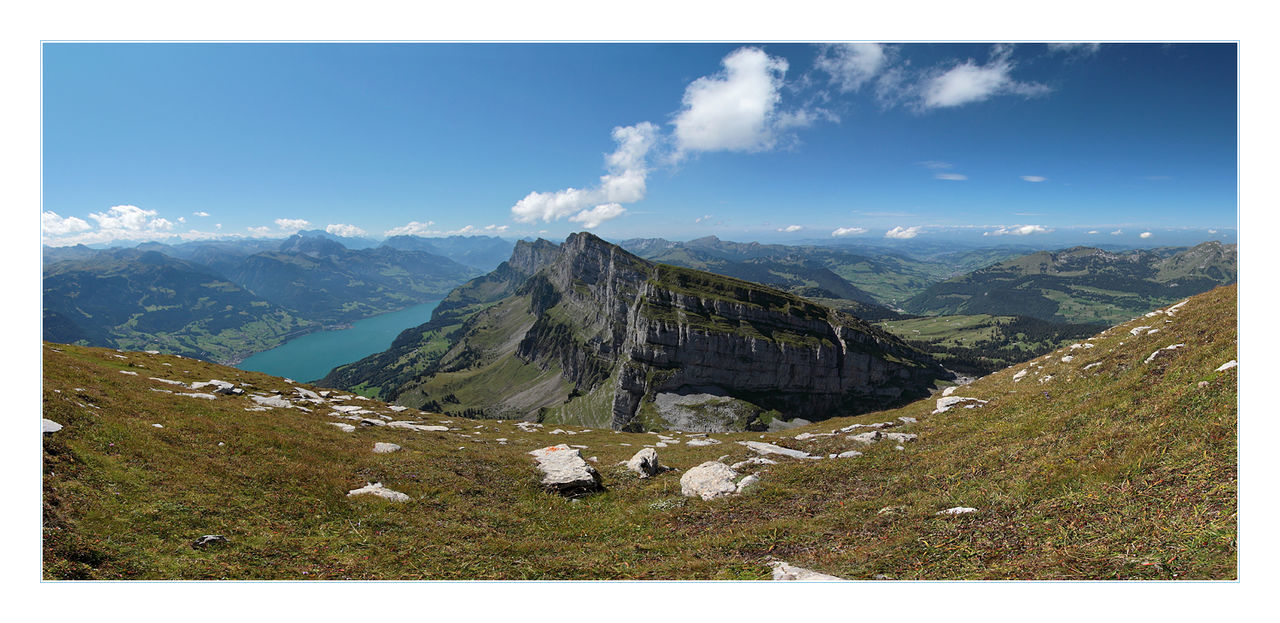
(777,142)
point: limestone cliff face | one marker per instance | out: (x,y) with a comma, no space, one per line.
(606,316)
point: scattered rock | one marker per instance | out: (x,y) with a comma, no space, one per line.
(1137,330)
(271,401)
(169,381)
(645,463)
(1018,377)
(199,395)
(213,383)
(210,540)
(1092,365)
(702,441)
(768,448)
(1166,348)
(346,428)
(346,408)
(384,448)
(49,426)
(783,572)
(907,420)
(848,454)
(804,436)
(371,422)
(397,408)
(957,510)
(128,372)
(308,394)
(1067,359)
(377,489)
(747,482)
(710,480)
(949,390)
(158,425)
(416,426)
(755,460)
(1227,366)
(564,471)
(945,404)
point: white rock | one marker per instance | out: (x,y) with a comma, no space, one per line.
(371,422)
(846,455)
(385,448)
(1067,358)
(804,436)
(1092,365)
(49,426)
(709,480)
(397,408)
(129,373)
(564,471)
(1046,378)
(169,381)
(346,428)
(214,383)
(1174,308)
(747,482)
(783,572)
(702,441)
(907,420)
(755,460)
(645,463)
(957,510)
(158,425)
(377,489)
(198,395)
(1137,330)
(308,394)
(271,401)
(347,408)
(945,404)
(1171,347)
(1153,331)
(767,448)
(1227,366)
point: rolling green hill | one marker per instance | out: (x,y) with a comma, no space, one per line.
(981,344)
(1119,463)
(1081,285)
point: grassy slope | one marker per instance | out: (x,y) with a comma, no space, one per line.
(1127,470)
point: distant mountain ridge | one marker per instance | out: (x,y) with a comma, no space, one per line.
(1082,284)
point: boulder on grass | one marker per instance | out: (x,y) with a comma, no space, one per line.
(565,472)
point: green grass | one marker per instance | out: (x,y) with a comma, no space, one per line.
(1124,471)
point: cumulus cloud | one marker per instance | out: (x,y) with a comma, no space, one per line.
(128,219)
(1093,232)
(954,177)
(53,225)
(595,216)
(790,228)
(850,65)
(1117,232)
(1145,234)
(413,228)
(292,225)
(841,232)
(737,108)
(624,183)
(902,233)
(260,232)
(969,82)
(200,213)
(344,230)
(1033,178)
(1018,230)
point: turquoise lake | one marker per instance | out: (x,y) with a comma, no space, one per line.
(312,356)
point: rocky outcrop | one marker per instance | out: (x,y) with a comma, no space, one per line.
(726,354)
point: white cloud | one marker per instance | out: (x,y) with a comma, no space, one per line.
(495,229)
(127,219)
(840,232)
(414,228)
(850,65)
(1117,232)
(1018,230)
(292,225)
(935,164)
(1213,231)
(1092,232)
(969,82)
(260,232)
(902,233)
(736,109)
(624,183)
(53,225)
(201,213)
(791,228)
(707,216)
(595,216)
(1033,178)
(1075,48)
(954,177)
(182,219)
(1145,234)
(344,230)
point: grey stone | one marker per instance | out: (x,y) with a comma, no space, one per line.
(271,401)
(645,463)
(564,471)
(210,540)
(747,482)
(945,404)
(768,448)
(755,460)
(783,572)
(1227,366)
(417,427)
(49,426)
(198,395)
(709,480)
(702,441)
(346,428)
(385,448)
(377,489)
(957,510)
